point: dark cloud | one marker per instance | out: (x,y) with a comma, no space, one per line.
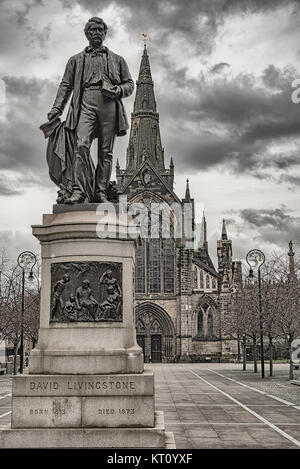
(196,22)
(231,120)
(273,225)
(19,29)
(292,181)
(22,145)
(9,187)
(219,68)
(209,121)
(278,218)
(23,10)
(275,78)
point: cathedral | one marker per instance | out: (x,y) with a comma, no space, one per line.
(180,297)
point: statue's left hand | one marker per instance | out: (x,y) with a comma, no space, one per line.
(53,114)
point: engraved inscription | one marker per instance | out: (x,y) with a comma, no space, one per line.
(82,385)
(43,385)
(116,411)
(38,411)
(86,292)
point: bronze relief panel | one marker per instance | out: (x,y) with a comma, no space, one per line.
(86,292)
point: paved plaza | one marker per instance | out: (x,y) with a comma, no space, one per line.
(217,406)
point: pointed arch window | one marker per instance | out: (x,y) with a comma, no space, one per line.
(169,254)
(200,323)
(214,284)
(155,258)
(195,277)
(154,265)
(201,280)
(140,269)
(210,324)
(207,282)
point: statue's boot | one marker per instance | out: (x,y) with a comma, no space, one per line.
(75,199)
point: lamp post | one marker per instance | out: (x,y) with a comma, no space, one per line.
(256,258)
(26,260)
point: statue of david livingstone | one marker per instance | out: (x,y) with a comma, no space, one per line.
(98,79)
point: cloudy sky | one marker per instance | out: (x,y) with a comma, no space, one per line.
(223,73)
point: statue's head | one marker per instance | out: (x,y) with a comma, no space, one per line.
(86,283)
(66,278)
(95,31)
(109,274)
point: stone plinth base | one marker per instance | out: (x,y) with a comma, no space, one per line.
(295,381)
(86,361)
(155,437)
(72,401)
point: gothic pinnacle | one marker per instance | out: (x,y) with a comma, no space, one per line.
(224,232)
(187,190)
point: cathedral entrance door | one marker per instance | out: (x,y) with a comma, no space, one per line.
(156,348)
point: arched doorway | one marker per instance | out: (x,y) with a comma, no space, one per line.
(155,333)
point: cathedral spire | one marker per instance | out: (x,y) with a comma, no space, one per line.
(144,141)
(144,98)
(224,232)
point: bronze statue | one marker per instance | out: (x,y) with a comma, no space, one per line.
(57,300)
(85,300)
(98,79)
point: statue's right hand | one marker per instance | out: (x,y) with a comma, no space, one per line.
(53,114)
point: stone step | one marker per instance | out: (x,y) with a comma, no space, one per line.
(155,437)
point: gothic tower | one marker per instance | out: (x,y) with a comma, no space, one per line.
(145,154)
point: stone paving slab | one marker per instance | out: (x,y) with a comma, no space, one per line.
(201,416)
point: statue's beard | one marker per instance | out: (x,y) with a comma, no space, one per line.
(96,41)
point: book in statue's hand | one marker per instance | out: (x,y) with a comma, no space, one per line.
(108,89)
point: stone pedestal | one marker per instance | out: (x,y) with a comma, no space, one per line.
(86,385)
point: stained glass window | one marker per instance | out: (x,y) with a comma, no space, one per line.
(140,269)
(195,277)
(210,324)
(207,281)
(168,253)
(200,323)
(201,279)
(214,284)
(154,265)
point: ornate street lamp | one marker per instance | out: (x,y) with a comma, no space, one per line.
(255,259)
(26,261)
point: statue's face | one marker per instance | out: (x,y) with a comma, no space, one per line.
(96,34)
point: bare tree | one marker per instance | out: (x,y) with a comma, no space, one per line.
(11,320)
(243,318)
